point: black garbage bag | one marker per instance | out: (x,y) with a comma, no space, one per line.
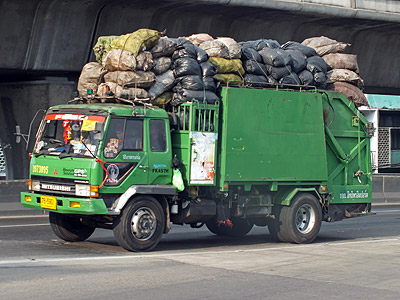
(208,69)
(256,45)
(164,47)
(161,65)
(183,95)
(271,44)
(254,67)
(290,79)
(307,51)
(210,83)
(279,72)
(250,54)
(186,66)
(316,64)
(163,83)
(275,57)
(189,82)
(306,77)
(298,59)
(184,48)
(255,80)
(320,80)
(201,55)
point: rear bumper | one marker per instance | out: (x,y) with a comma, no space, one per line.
(88,206)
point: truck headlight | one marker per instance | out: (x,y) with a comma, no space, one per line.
(35,185)
(82,190)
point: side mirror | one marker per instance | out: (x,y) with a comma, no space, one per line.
(18,135)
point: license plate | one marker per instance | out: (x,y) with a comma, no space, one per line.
(48,202)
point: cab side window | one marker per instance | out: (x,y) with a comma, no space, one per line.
(158,137)
(134,135)
(123,134)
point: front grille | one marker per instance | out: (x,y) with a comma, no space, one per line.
(55,187)
(62,186)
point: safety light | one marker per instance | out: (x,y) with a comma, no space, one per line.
(323,189)
(28,199)
(35,185)
(29,184)
(75,204)
(94,191)
(82,190)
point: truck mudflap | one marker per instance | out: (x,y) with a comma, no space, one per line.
(337,212)
(64,205)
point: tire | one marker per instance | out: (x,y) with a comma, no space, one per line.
(275,226)
(240,227)
(298,223)
(140,225)
(70,228)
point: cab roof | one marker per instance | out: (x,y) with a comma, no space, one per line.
(123,110)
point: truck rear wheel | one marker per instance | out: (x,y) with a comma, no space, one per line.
(70,229)
(298,223)
(240,227)
(140,225)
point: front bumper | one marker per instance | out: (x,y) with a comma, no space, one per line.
(88,206)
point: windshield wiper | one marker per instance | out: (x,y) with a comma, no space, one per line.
(65,154)
(40,153)
(55,141)
(94,156)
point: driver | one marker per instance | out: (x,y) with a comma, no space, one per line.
(116,142)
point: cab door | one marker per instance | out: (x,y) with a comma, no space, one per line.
(160,152)
(126,161)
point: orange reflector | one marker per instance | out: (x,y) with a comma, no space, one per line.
(28,198)
(94,191)
(225,186)
(75,204)
(29,185)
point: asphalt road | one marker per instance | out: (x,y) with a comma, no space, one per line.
(353,259)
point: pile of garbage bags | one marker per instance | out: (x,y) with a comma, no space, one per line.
(147,66)
(344,74)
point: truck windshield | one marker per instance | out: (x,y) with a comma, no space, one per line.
(69,135)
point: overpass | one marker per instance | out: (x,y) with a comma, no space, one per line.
(45,43)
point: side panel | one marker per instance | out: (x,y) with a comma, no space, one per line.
(348,152)
(194,139)
(270,135)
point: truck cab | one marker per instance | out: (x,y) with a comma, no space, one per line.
(89,159)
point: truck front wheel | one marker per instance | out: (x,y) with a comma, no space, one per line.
(298,223)
(70,228)
(140,225)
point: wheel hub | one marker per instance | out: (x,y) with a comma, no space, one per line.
(143,224)
(305,219)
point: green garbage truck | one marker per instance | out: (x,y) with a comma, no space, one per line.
(283,158)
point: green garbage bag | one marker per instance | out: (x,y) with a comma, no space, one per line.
(229,78)
(135,42)
(103,46)
(177,180)
(224,65)
(163,99)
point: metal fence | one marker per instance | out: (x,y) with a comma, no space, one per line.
(2,164)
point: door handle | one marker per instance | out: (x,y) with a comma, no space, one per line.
(143,167)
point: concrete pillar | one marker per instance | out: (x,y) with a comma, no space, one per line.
(19,102)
